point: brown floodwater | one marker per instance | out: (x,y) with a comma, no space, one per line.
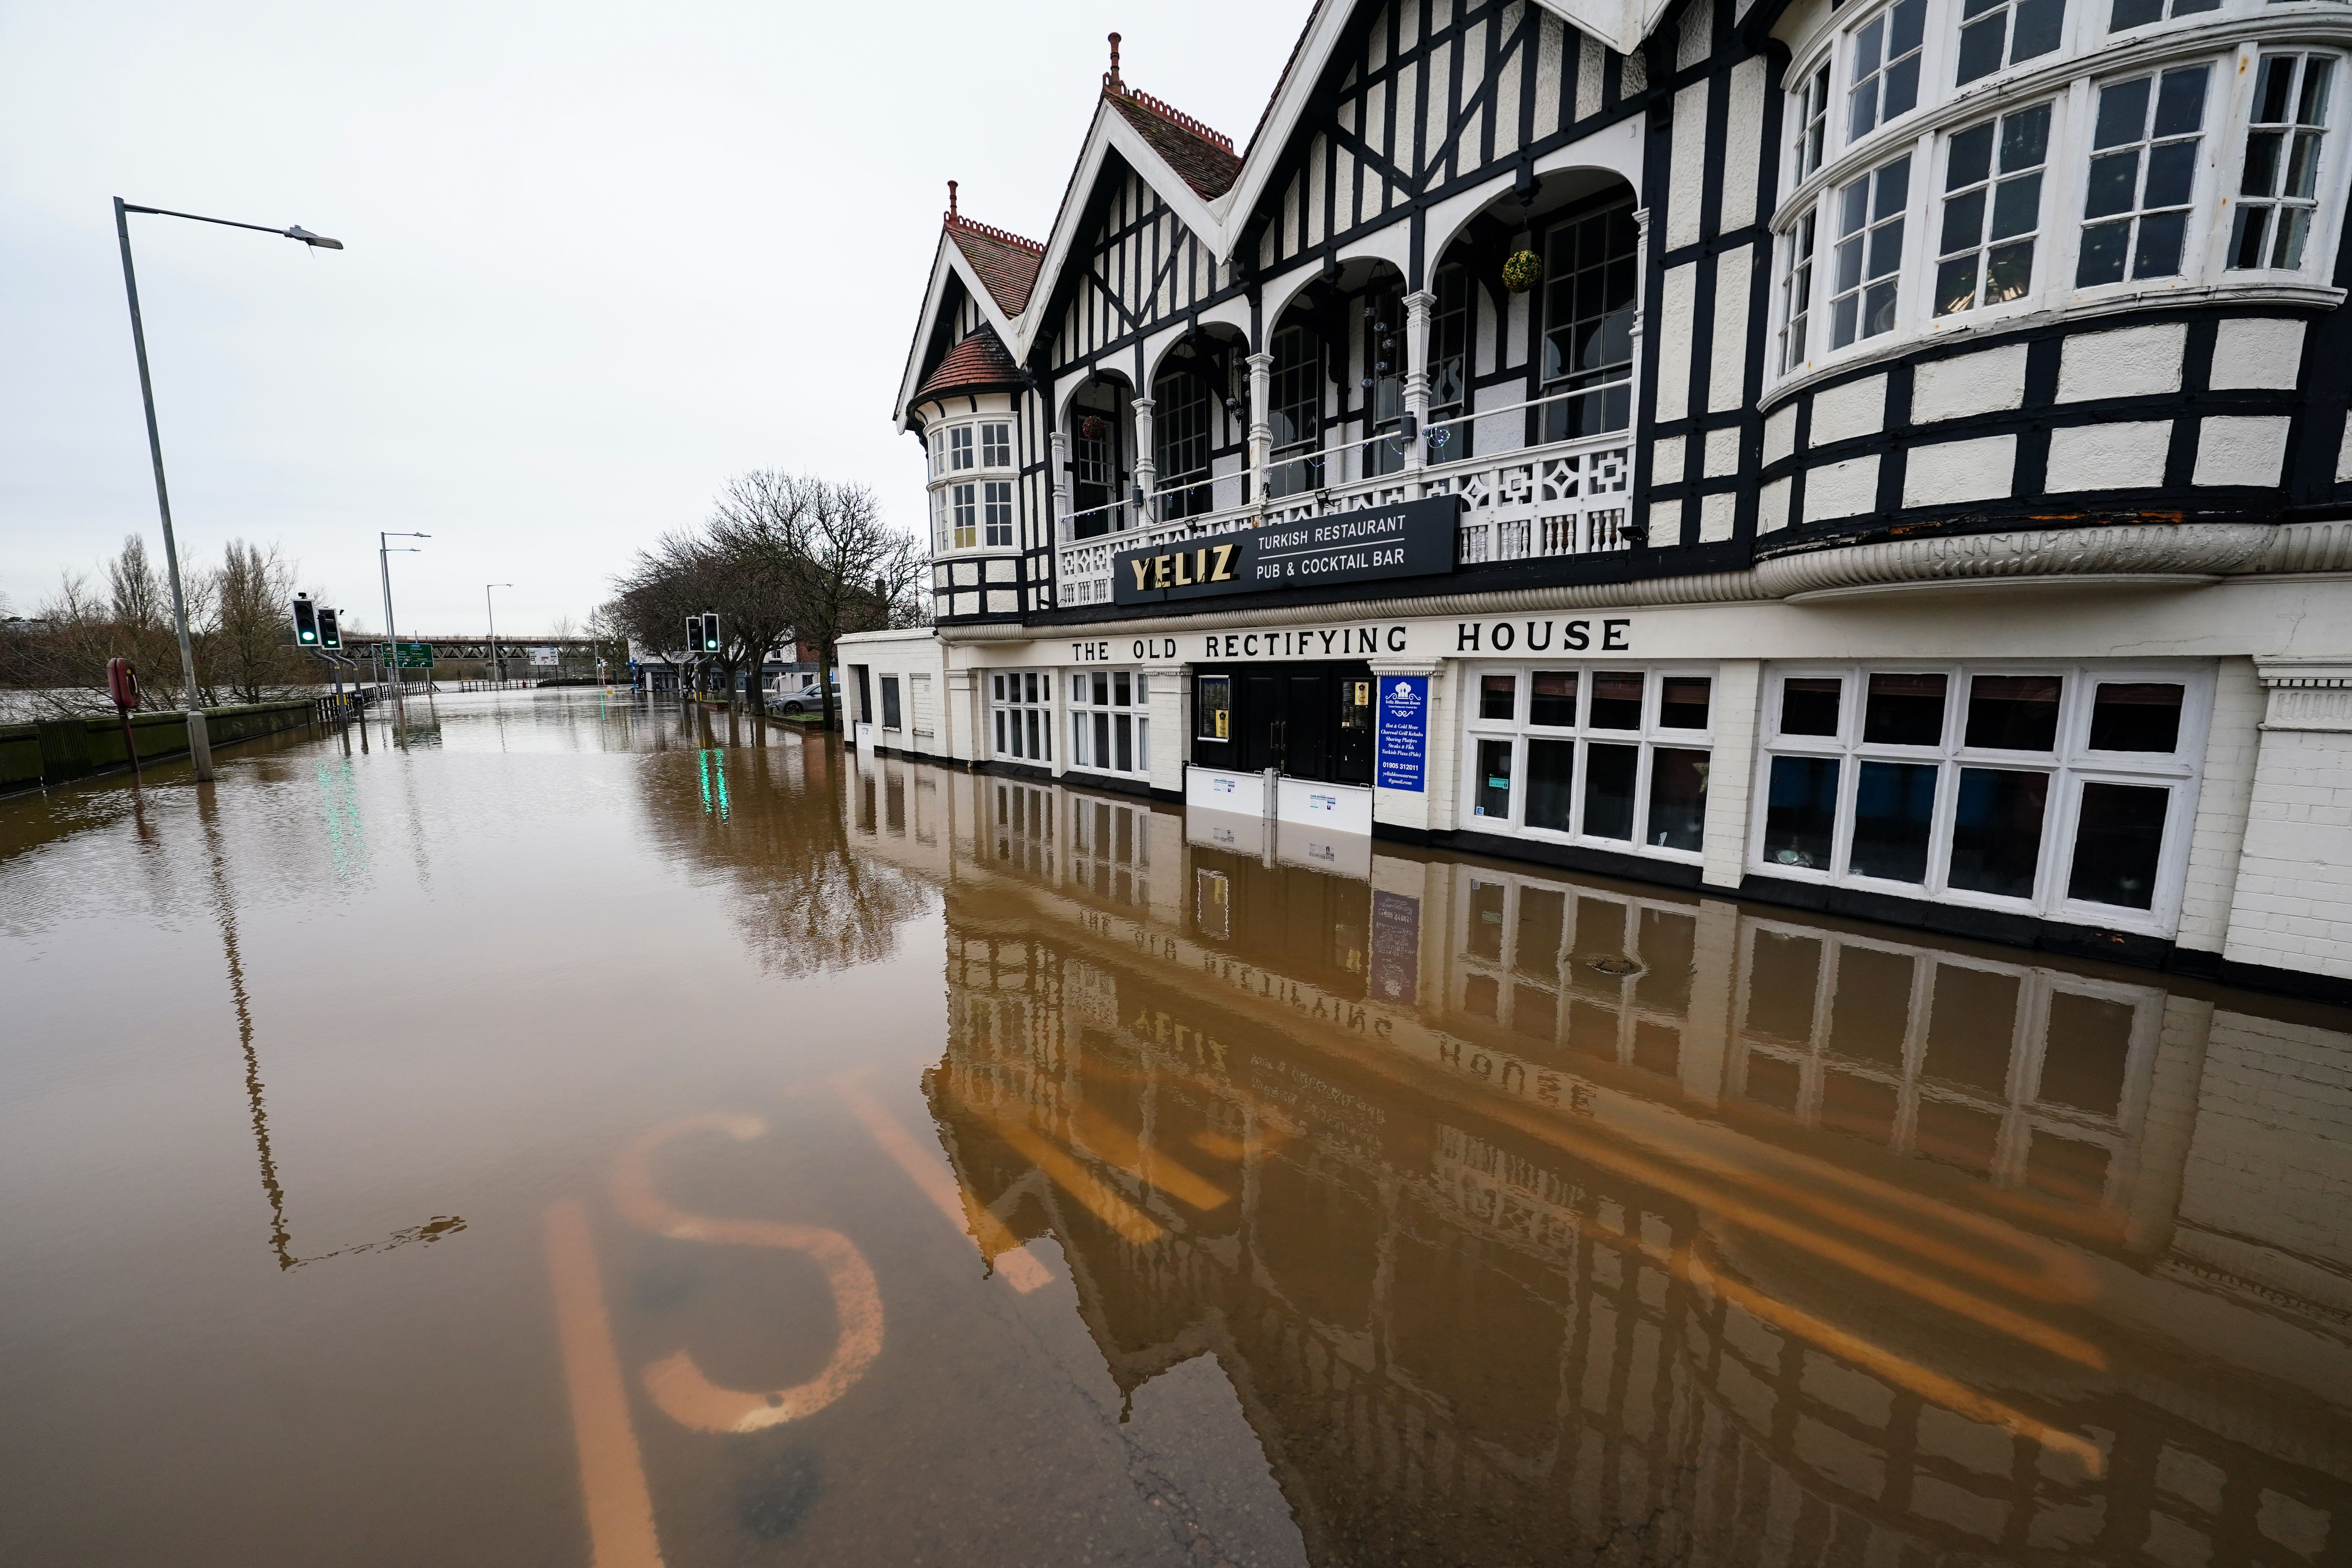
(561,1132)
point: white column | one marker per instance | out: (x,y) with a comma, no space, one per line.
(1261,427)
(1417,307)
(958,711)
(1059,445)
(1170,709)
(1146,466)
(1735,710)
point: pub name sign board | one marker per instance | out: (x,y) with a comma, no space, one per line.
(1407,539)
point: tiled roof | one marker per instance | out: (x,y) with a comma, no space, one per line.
(978,364)
(1006,263)
(1201,157)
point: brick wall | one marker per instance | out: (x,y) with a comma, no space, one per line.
(2292,907)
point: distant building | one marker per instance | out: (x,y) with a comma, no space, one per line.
(1883,458)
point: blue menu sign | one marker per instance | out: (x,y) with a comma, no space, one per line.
(1403,745)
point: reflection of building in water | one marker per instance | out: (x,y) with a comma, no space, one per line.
(1533,1219)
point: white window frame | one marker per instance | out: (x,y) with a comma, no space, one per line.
(1518,729)
(1031,705)
(1093,722)
(2070,765)
(2069,79)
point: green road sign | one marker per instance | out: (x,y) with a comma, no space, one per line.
(406,655)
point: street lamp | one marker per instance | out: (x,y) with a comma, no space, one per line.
(498,662)
(199,745)
(383,553)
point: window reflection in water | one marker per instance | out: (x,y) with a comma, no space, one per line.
(1651,1206)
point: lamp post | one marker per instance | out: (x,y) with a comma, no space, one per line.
(495,658)
(199,745)
(383,552)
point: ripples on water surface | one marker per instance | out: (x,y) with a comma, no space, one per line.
(569,1135)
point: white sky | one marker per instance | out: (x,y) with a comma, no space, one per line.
(600,258)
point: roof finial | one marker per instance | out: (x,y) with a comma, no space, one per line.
(951,201)
(1110,77)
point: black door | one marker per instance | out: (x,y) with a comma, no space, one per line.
(1311,722)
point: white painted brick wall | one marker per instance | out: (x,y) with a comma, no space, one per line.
(1738,702)
(1772,507)
(2217,838)
(1780,432)
(1666,460)
(2292,904)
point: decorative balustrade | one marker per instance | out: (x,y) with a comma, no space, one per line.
(1569,498)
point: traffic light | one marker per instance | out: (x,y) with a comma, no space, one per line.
(710,631)
(306,621)
(329,633)
(694,634)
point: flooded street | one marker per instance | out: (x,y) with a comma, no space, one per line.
(574,1134)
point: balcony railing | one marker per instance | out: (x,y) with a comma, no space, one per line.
(1565,498)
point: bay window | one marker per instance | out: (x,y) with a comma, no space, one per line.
(2062,791)
(1615,758)
(2278,187)
(1868,264)
(997,499)
(1998,33)
(2143,176)
(1886,76)
(1993,206)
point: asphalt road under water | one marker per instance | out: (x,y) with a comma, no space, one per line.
(560,1131)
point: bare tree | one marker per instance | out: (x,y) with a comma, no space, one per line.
(251,649)
(851,573)
(143,617)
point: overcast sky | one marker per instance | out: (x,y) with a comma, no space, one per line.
(600,258)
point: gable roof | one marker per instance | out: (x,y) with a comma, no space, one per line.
(1006,263)
(1193,168)
(978,364)
(1202,158)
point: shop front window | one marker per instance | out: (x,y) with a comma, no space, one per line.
(1110,724)
(1616,757)
(1021,718)
(2046,789)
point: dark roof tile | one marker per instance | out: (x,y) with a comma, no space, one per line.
(1202,158)
(1005,262)
(978,364)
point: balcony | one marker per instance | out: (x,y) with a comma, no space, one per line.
(1565,498)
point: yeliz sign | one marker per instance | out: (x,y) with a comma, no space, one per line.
(1407,539)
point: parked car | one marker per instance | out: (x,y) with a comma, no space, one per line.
(795,691)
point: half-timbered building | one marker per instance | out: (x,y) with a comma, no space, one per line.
(1886,457)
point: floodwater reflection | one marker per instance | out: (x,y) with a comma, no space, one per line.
(1543,1219)
(866,1162)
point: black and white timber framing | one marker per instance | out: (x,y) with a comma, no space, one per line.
(1697,308)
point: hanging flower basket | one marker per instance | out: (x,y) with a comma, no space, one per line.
(1093,429)
(1521,271)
